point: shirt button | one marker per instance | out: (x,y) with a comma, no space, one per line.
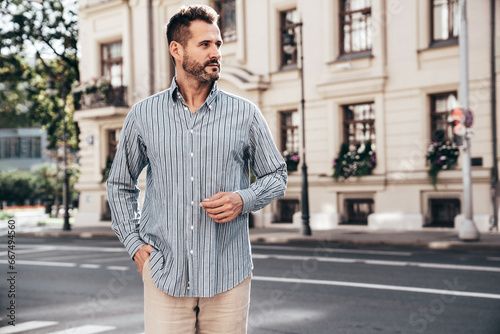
(192,203)
(192,227)
(192,154)
(188,287)
(191,131)
(192,178)
(210,107)
(191,251)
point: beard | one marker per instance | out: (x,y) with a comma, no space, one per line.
(198,71)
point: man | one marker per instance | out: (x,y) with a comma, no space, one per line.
(191,241)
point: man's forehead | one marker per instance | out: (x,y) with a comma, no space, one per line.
(203,30)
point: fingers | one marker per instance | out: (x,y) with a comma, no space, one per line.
(141,256)
(148,248)
(215,201)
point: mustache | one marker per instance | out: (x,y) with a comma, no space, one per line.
(213,61)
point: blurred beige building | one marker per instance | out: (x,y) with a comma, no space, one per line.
(379,70)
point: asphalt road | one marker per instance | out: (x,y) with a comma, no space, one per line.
(78,286)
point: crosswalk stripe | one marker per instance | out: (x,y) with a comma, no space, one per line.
(378,287)
(376,262)
(26,326)
(87,329)
(66,264)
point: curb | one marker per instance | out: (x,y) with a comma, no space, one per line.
(435,245)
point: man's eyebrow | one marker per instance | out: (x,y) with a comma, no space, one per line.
(211,41)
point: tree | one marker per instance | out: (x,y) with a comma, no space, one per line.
(38,44)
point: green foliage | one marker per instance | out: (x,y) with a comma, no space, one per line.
(440,156)
(43,182)
(357,163)
(292,161)
(106,170)
(38,45)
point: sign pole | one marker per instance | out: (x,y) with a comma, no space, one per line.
(467,230)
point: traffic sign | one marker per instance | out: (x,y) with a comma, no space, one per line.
(469,118)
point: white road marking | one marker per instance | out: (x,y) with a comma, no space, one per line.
(378,286)
(87,329)
(28,251)
(79,248)
(332,250)
(42,263)
(26,326)
(90,266)
(377,262)
(117,268)
(492,258)
(64,264)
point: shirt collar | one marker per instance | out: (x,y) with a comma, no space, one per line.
(175,93)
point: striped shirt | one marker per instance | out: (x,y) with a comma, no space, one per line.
(190,157)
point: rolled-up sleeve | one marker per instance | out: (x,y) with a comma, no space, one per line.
(268,165)
(123,193)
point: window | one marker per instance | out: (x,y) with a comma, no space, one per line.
(441,104)
(111,63)
(359,124)
(227,20)
(445,20)
(290,136)
(355,26)
(358,209)
(288,19)
(20,148)
(443,211)
(286,208)
(113,137)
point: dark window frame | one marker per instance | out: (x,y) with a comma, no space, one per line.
(451,40)
(354,214)
(112,145)
(286,208)
(346,123)
(109,62)
(434,221)
(343,12)
(443,115)
(292,63)
(284,131)
(229,32)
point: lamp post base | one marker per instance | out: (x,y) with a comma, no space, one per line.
(305,230)
(468,231)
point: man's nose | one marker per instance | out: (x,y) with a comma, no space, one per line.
(215,53)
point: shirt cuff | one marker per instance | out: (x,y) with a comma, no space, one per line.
(132,243)
(248,197)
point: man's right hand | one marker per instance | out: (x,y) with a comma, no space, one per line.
(142,255)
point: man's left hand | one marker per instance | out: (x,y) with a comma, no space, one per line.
(223,207)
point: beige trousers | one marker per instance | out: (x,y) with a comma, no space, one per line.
(224,313)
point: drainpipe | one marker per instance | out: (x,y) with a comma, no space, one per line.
(494,170)
(151,48)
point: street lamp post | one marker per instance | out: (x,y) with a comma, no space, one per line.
(467,230)
(66,225)
(289,47)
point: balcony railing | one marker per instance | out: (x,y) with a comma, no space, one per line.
(116,97)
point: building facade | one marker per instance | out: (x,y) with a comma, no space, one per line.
(22,148)
(383,71)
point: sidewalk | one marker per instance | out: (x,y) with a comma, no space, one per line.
(434,239)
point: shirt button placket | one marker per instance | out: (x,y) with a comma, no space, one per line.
(193,196)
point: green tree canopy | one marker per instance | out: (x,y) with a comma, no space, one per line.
(38,65)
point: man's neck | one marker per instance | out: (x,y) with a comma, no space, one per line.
(193,91)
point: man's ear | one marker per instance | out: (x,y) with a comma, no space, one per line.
(176,51)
